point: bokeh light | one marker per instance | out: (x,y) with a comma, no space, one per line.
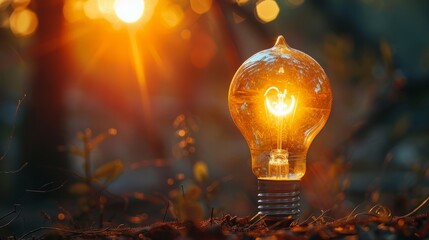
(267,10)
(201,6)
(129,11)
(241,2)
(91,9)
(186,34)
(23,22)
(73,10)
(20,3)
(172,15)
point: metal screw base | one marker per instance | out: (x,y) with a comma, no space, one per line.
(279,199)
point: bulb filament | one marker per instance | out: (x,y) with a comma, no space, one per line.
(279,107)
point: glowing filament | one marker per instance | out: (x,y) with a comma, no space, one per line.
(279,107)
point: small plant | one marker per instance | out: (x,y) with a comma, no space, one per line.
(91,187)
(192,200)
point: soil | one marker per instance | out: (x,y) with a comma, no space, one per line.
(233,227)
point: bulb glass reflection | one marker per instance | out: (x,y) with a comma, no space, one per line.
(280,99)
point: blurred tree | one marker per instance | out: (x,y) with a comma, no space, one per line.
(43,129)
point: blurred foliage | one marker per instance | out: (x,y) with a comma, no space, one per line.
(93,184)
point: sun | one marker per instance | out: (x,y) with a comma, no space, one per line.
(129,11)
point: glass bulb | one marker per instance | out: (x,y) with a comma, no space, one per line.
(280,99)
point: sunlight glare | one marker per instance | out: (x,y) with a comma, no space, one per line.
(172,15)
(129,11)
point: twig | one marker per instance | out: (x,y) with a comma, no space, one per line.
(12,133)
(253,218)
(253,224)
(46,191)
(18,212)
(183,191)
(63,230)
(211,217)
(45,185)
(319,217)
(166,210)
(351,213)
(16,171)
(280,223)
(376,209)
(416,209)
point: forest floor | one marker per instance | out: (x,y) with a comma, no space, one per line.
(365,226)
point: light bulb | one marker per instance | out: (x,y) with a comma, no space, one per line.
(280,99)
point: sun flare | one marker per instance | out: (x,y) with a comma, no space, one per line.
(129,11)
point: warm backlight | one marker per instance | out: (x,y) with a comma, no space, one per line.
(129,11)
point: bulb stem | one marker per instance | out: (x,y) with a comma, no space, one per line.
(279,199)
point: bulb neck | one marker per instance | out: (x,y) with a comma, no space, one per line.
(279,200)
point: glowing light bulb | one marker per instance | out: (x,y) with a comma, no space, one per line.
(280,99)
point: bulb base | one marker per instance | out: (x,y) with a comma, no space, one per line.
(279,199)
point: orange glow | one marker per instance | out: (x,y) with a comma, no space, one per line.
(91,9)
(20,3)
(129,11)
(186,34)
(201,6)
(280,99)
(203,50)
(170,181)
(73,10)
(241,2)
(61,216)
(267,10)
(172,15)
(23,22)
